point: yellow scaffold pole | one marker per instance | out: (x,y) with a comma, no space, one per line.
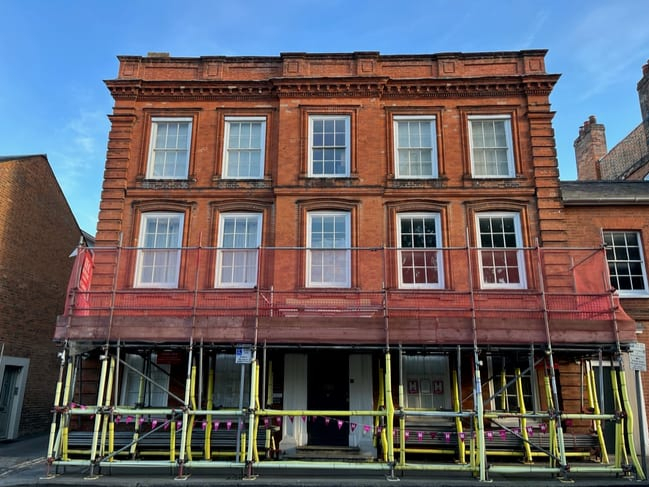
(186,403)
(629,424)
(65,418)
(377,420)
(210,404)
(108,422)
(552,431)
(523,421)
(192,417)
(51,454)
(620,449)
(457,407)
(402,417)
(253,419)
(594,404)
(389,405)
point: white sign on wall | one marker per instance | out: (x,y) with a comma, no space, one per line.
(637,357)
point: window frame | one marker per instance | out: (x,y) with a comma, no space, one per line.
(511,163)
(438,250)
(311,119)
(310,251)
(627,292)
(432,119)
(154,396)
(520,258)
(221,250)
(171,251)
(424,376)
(150,166)
(228,120)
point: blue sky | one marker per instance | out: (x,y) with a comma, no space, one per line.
(54,56)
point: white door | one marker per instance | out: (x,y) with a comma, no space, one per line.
(294,433)
(13,376)
(361,398)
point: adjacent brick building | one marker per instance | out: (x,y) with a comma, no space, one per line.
(359,254)
(38,233)
(609,205)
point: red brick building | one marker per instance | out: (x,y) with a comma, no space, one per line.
(609,206)
(358,254)
(38,233)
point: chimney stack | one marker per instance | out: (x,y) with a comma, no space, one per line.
(643,94)
(590,147)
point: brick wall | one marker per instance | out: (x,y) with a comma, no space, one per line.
(370,88)
(585,225)
(38,234)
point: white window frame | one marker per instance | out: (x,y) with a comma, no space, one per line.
(431,119)
(507,120)
(611,252)
(347,146)
(158,373)
(249,255)
(228,151)
(428,384)
(315,253)
(517,251)
(403,251)
(155,124)
(171,252)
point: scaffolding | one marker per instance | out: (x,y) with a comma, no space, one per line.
(503,423)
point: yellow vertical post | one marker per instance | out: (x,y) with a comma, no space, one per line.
(551,422)
(457,407)
(172,441)
(377,419)
(99,415)
(523,423)
(620,449)
(389,406)
(257,407)
(57,405)
(192,417)
(594,403)
(254,401)
(402,427)
(629,425)
(503,388)
(477,397)
(183,433)
(65,417)
(210,405)
(108,421)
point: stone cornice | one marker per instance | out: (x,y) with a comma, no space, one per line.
(351,86)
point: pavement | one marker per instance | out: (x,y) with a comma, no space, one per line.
(23,463)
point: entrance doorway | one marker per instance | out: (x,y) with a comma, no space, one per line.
(10,400)
(328,390)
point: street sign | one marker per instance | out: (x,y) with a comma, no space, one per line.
(638,357)
(244,355)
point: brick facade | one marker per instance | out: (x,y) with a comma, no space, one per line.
(494,291)
(369,87)
(38,234)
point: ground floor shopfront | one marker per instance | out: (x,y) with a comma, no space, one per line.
(562,411)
